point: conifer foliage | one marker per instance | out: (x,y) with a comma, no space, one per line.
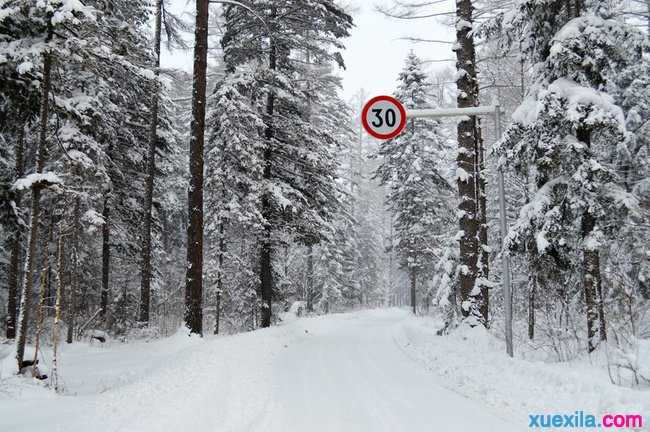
(411,167)
(565,136)
(288,184)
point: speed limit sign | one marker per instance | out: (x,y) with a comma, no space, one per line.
(383,117)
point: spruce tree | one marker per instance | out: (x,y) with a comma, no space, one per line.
(564,136)
(411,165)
(297,187)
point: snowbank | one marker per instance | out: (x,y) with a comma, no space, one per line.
(473,362)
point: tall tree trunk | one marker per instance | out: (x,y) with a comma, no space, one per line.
(106,254)
(601,307)
(254,314)
(49,305)
(28,278)
(390,253)
(194,274)
(413,299)
(590,281)
(310,279)
(469,136)
(165,227)
(145,279)
(217,313)
(483,248)
(266,269)
(532,288)
(40,311)
(531,253)
(73,292)
(222,251)
(16,240)
(591,278)
(54,380)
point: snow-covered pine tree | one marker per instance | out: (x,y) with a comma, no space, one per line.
(12,132)
(109,129)
(165,23)
(328,275)
(445,281)
(370,276)
(411,166)
(633,95)
(234,172)
(169,204)
(95,115)
(19,107)
(565,135)
(33,51)
(145,262)
(297,186)
(9,230)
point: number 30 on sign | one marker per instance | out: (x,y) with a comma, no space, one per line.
(383,117)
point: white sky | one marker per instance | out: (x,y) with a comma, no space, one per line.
(374,53)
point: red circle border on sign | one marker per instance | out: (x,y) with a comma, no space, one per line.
(395,102)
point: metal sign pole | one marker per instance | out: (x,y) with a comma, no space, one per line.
(451,112)
(494,110)
(503,222)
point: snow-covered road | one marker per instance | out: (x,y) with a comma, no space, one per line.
(348,374)
(340,372)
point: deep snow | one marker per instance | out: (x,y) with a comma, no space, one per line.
(381,370)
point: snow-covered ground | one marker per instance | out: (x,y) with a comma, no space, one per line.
(381,370)
(474,363)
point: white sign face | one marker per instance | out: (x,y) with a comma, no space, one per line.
(383,117)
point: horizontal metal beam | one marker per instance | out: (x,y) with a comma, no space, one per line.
(451,112)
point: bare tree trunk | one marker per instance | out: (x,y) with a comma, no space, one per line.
(469,136)
(483,248)
(266,269)
(253,305)
(222,250)
(591,278)
(16,240)
(106,255)
(532,288)
(165,227)
(49,304)
(390,254)
(531,252)
(194,274)
(123,309)
(413,299)
(74,276)
(601,307)
(145,279)
(54,380)
(310,279)
(266,275)
(40,313)
(217,313)
(28,278)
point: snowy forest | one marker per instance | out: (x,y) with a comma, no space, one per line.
(159,213)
